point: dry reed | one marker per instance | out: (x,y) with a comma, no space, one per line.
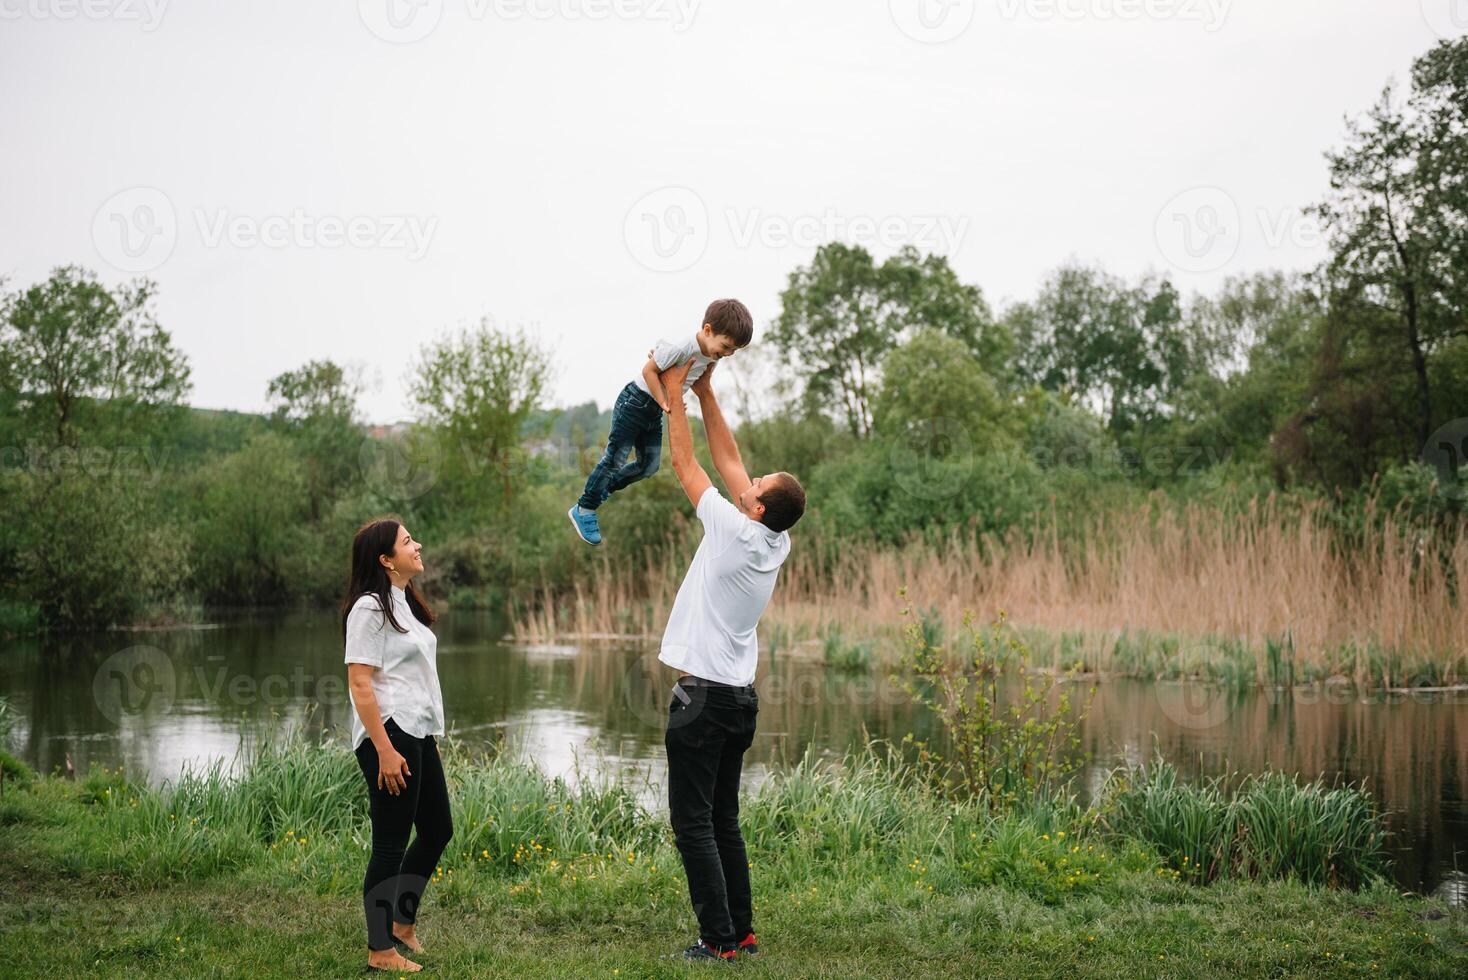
(1383,613)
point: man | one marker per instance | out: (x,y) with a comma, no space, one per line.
(711,641)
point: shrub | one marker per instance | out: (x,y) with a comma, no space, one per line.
(1009,746)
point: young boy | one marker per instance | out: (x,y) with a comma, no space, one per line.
(637,417)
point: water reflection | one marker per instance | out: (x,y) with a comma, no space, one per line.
(157,702)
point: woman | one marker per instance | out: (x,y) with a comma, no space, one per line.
(391,671)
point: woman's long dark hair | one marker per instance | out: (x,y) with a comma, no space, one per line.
(376,539)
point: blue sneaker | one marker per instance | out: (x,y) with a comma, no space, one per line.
(585,524)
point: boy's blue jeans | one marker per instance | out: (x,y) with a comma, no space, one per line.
(637,423)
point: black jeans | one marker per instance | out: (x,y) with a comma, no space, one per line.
(637,423)
(706,740)
(397,873)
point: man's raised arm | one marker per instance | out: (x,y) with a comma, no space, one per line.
(680,438)
(722,446)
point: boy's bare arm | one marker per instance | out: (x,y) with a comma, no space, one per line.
(654,381)
(722,446)
(680,439)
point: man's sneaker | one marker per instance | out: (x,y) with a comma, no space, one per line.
(748,945)
(585,523)
(699,952)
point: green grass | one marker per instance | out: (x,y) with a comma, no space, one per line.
(1231,661)
(1270,826)
(845,655)
(858,871)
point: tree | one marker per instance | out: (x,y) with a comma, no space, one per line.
(1397,219)
(1267,330)
(842,314)
(316,406)
(89,551)
(77,356)
(1358,409)
(935,392)
(84,370)
(248,508)
(1126,350)
(479,386)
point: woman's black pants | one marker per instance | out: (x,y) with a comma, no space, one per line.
(397,873)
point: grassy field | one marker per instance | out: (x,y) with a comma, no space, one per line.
(858,871)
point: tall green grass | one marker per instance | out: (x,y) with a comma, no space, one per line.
(1188,825)
(845,655)
(297,810)
(1318,834)
(1269,826)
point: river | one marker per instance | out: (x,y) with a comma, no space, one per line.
(159,701)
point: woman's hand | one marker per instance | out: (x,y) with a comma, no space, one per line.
(392,771)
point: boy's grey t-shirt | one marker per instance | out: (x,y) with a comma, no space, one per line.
(666,355)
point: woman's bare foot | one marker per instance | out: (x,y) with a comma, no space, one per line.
(391,959)
(407,935)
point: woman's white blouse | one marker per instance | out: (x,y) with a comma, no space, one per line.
(406,679)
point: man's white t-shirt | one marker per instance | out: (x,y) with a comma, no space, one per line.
(711,631)
(406,679)
(666,355)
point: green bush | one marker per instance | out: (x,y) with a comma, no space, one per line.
(1014,738)
(247,509)
(14,770)
(93,549)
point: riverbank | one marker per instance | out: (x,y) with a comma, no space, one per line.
(857,871)
(1277,664)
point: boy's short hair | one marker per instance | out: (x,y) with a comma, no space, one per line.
(730,318)
(784,503)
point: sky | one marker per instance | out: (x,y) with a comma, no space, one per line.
(353,179)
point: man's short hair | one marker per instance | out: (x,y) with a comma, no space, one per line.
(730,318)
(784,503)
